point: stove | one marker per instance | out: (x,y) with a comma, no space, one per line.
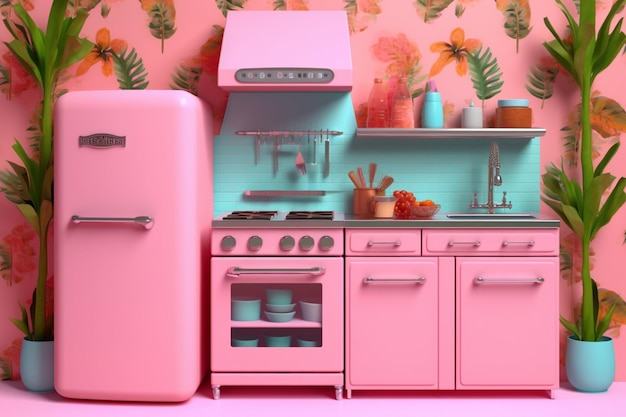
(278,233)
(300,252)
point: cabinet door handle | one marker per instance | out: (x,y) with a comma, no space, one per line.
(371,280)
(394,243)
(527,243)
(481,280)
(146,221)
(236,272)
(474,243)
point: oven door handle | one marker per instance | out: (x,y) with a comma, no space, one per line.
(236,272)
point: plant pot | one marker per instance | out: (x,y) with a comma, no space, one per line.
(590,366)
(37,365)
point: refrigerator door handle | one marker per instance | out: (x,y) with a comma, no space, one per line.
(146,221)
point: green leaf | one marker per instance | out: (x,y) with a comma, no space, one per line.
(186,78)
(19,51)
(162,24)
(606,159)
(130,72)
(541,82)
(593,196)
(23,324)
(603,325)
(615,201)
(30,215)
(485,74)
(573,219)
(225,5)
(570,326)
(431,9)
(37,43)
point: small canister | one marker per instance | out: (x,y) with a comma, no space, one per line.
(513,113)
(472,117)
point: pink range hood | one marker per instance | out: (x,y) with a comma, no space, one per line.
(286,51)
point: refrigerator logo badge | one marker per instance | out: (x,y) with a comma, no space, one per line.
(102,140)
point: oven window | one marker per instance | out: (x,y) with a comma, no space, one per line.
(276,315)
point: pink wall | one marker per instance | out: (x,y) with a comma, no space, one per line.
(386,33)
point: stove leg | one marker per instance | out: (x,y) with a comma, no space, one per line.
(338,392)
(216,392)
(348,393)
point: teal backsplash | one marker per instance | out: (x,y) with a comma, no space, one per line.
(447,171)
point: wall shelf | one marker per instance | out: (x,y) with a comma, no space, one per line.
(458,133)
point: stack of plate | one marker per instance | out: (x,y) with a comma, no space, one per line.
(279,307)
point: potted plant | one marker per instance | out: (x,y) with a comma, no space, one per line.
(579,199)
(43,55)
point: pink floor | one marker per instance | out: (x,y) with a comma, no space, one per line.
(15,401)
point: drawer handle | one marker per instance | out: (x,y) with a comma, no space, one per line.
(236,272)
(474,243)
(527,243)
(481,280)
(394,243)
(370,280)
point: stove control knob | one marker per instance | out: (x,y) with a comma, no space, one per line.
(287,243)
(326,243)
(228,243)
(306,243)
(255,243)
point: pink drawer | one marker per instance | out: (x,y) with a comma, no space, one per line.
(384,242)
(501,242)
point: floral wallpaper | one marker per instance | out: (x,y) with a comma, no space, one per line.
(480,50)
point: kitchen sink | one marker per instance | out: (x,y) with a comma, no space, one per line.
(494,216)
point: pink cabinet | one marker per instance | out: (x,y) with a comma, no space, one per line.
(391,323)
(479,312)
(507,323)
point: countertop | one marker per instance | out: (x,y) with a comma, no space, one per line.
(439,221)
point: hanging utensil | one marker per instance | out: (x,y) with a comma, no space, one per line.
(327,157)
(276,148)
(300,164)
(257,149)
(314,150)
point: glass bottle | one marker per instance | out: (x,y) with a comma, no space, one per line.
(377,105)
(402,106)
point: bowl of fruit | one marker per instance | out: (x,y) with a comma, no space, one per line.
(409,207)
(402,209)
(424,208)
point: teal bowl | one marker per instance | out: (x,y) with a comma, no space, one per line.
(280,308)
(277,296)
(245,309)
(278,341)
(307,343)
(245,342)
(280,317)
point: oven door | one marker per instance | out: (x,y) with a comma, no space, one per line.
(244,338)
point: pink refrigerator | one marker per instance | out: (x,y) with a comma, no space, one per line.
(133,208)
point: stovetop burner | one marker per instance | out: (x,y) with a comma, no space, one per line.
(309,215)
(250,215)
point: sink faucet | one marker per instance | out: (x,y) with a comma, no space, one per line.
(494,180)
